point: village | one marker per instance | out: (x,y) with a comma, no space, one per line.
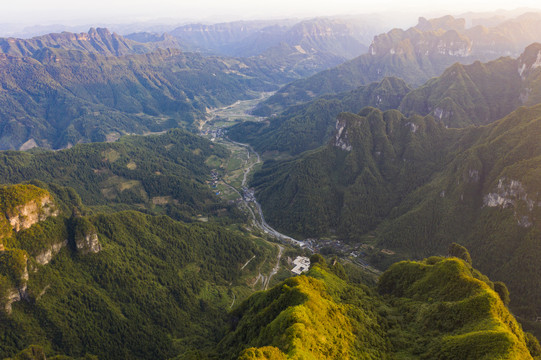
(359,254)
(354,252)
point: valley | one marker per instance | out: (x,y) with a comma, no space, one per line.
(243,163)
(335,187)
(233,184)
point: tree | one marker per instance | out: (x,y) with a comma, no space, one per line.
(460,252)
(502,291)
(318,259)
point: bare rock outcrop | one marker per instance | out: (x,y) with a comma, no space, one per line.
(88,243)
(26,215)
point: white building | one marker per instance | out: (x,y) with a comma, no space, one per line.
(302,264)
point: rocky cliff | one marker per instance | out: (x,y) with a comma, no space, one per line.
(23,206)
(25,215)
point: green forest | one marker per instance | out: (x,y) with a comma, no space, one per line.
(257,190)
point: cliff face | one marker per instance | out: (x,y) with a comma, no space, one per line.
(21,207)
(341,137)
(88,243)
(25,215)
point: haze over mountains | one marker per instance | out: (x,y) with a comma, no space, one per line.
(53,63)
(174,243)
(414,55)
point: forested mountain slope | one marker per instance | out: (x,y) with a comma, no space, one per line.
(438,308)
(100,41)
(307,126)
(463,95)
(122,285)
(345,37)
(58,98)
(415,186)
(158,173)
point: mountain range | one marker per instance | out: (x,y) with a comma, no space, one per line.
(341,36)
(437,308)
(413,186)
(138,286)
(407,169)
(117,285)
(464,95)
(60,89)
(414,55)
(99,40)
(57,97)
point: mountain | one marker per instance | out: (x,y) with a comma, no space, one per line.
(413,186)
(226,38)
(325,35)
(162,174)
(61,89)
(165,40)
(86,275)
(117,285)
(341,36)
(323,190)
(100,41)
(308,126)
(414,55)
(463,95)
(479,94)
(438,308)
(143,290)
(57,98)
(299,48)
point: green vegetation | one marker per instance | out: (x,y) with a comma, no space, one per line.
(464,95)
(11,199)
(13,196)
(415,187)
(435,309)
(449,311)
(152,288)
(352,192)
(99,41)
(314,316)
(157,288)
(460,252)
(67,96)
(308,126)
(145,295)
(168,177)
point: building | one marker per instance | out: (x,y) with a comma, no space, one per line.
(302,264)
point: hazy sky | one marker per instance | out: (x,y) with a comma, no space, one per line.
(73,12)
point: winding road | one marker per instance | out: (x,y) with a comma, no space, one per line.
(259,219)
(262,223)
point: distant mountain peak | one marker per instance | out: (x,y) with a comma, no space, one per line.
(530,59)
(96,40)
(447,22)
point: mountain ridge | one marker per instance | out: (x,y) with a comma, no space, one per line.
(464,95)
(96,40)
(410,185)
(415,55)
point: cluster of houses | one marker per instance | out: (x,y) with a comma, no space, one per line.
(213,133)
(214,178)
(248,194)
